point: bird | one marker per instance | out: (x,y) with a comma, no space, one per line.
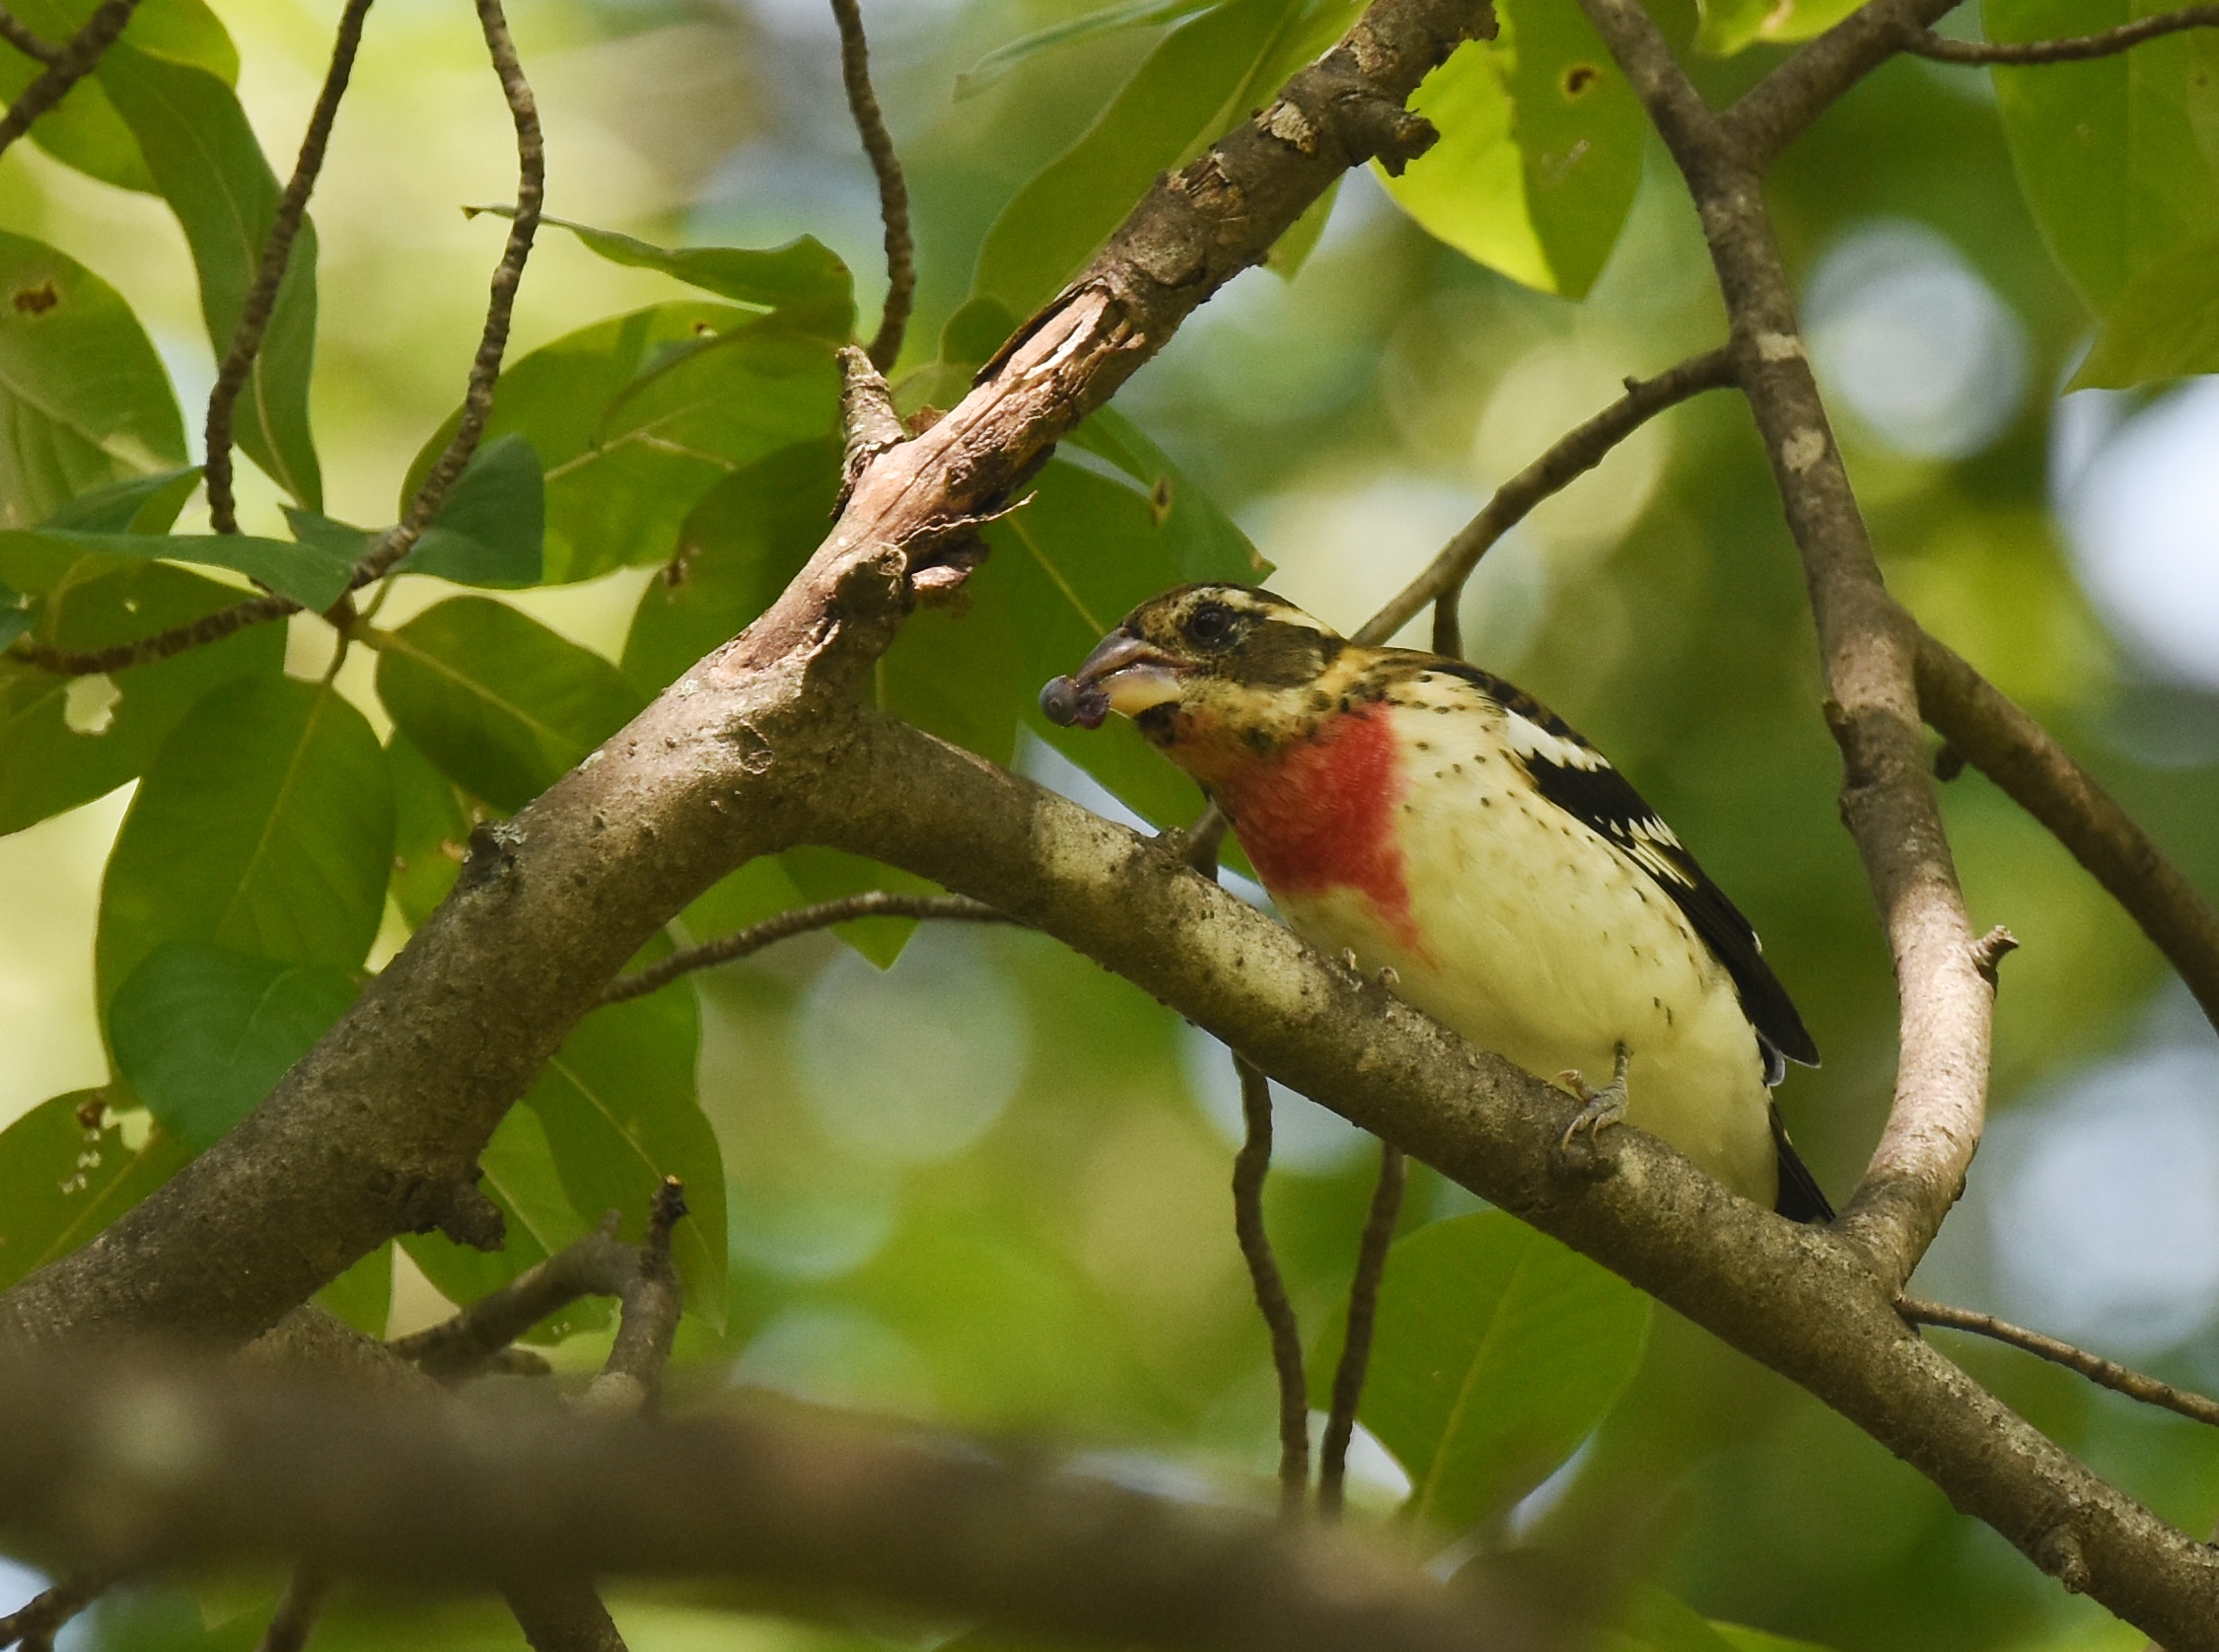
(1428,822)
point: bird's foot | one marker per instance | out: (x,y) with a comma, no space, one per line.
(1605,1107)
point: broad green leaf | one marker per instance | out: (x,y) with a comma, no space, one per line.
(212,173)
(503,705)
(521,1178)
(2112,154)
(1135,14)
(1539,153)
(1496,1351)
(265,825)
(492,529)
(820,873)
(1743,1639)
(636,419)
(2163,325)
(1651,1620)
(312,575)
(619,1105)
(1208,73)
(1292,251)
(92,602)
(141,505)
(362,1296)
(61,1181)
(85,132)
(1728,26)
(804,278)
(204,1033)
(739,547)
(15,615)
(83,400)
(430,830)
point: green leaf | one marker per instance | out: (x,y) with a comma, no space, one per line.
(1136,13)
(92,602)
(1497,1350)
(818,874)
(804,278)
(2113,155)
(265,825)
(61,1181)
(503,705)
(2164,324)
(85,132)
(204,1033)
(362,1296)
(83,396)
(312,575)
(1651,1620)
(1742,1638)
(1292,251)
(430,830)
(636,419)
(522,1180)
(737,549)
(211,171)
(492,529)
(618,1106)
(1208,73)
(1539,153)
(1728,26)
(140,505)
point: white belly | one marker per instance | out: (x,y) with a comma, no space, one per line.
(1540,944)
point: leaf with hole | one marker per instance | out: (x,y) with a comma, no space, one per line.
(1496,1351)
(83,396)
(50,762)
(503,705)
(211,171)
(263,824)
(62,1180)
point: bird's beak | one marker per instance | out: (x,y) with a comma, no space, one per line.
(1124,674)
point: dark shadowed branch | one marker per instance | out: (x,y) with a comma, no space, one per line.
(893,191)
(277,254)
(1573,456)
(801,920)
(2076,48)
(2106,1373)
(1251,1166)
(1363,1310)
(297,1609)
(69,65)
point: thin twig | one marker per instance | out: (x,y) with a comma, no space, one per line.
(1573,456)
(26,41)
(653,1301)
(71,64)
(2106,1373)
(893,192)
(1924,42)
(298,1609)
(34,1623)
(163,645)
(871,904)
(596,1264)
(1249,1165)
(277,252)
(1363,1311)
(508,274)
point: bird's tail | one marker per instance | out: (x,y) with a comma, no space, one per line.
(1801,1198)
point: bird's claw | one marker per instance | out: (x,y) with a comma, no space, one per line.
(1604,1108)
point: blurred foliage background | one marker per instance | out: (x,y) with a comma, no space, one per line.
(988,1186)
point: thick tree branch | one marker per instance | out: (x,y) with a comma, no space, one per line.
(1356,1344)
(2074,49)
(34,1624)
(2020,755)
(1866,646)
(2106,1373)
(71,64)
(1773,113)
(798,920)
(893,191)
(277,254)
(1249,1168)
(1570,457)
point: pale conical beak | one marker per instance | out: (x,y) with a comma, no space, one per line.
(1124,674)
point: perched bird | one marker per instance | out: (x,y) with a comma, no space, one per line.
(1437,821)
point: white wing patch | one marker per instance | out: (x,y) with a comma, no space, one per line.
(1530,740)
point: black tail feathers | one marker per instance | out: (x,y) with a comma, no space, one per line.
(1801,1198)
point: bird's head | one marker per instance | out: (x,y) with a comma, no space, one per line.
(1206,661)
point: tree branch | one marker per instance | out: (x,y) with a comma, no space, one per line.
(653,1299)
(1925,42)
(1356,1345)
(163,645)
(1572,456)
(277,252)
(2020,756)
(596,1264)
(297,1609)
(71,64)
(2106,1373)
(893,192)
(33,1625)
(800,920)
(1773,113)
(25,39)
(1249,1168)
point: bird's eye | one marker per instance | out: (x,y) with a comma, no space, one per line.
(1210,624)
